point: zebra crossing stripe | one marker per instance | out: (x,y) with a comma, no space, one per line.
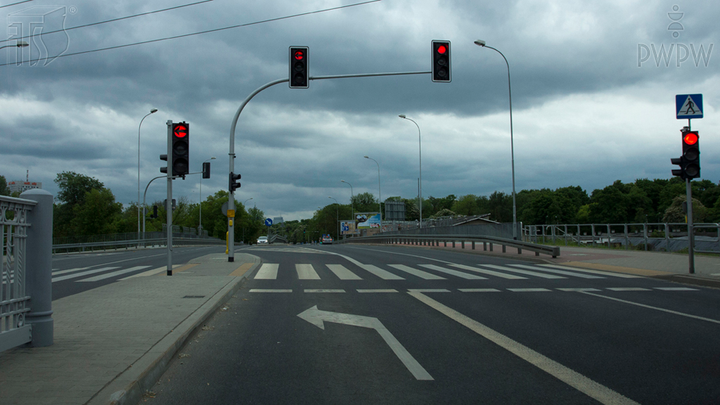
(81,274)
(383,274)
(456,273)
(306,272)
(489,272)
(112,274)
(268,271)
(599,272)
(526,272)
(563,272)
(415,272)
(342,273)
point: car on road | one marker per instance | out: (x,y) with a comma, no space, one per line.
(327,240)
(263,240)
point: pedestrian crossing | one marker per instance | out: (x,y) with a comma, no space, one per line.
(306,271)
(83,275)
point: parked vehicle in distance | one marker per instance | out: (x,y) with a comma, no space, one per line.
(263,240)
(327,240)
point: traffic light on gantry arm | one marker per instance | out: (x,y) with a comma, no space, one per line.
(689,162)
(298,67)
(441,71)
(180,149)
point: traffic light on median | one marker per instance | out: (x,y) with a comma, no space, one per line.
(180,149)
(234,184)
(441,71)
(298,67)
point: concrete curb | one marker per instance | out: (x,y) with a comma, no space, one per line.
(129,386)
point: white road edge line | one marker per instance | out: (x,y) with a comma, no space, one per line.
(574,379)
(670,311)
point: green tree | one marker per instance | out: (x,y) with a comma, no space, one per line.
(466,205)
(97,214)
(500,205)
(4,190)
(675,213)
(365,202)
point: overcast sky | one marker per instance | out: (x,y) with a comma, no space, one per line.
(593,98)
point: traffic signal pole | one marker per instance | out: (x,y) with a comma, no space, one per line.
(690,227)
(231,152)
(168,206)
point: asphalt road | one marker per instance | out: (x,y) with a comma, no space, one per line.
(74,273)
(347,324)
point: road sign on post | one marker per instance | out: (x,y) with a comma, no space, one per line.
(688,106)
(268,222)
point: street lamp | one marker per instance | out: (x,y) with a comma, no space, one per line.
(420,158)
(379,195)
(481,43)
(200,200)
(352,206)
(337,218)
(19,44)
(153,111)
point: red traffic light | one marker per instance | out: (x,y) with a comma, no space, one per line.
(441,49)
(180,131)
(690,138)
(299,55)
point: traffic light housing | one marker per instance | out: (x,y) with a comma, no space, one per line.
(689,162)
(441,71)
(298,67)
(234,184)
(180,149)
(163,169)
(206,170)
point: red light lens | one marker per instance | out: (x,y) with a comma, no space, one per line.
(442,49)
(299,55)
(690,138)
(180,131)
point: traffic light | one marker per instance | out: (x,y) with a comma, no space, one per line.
(689,162)
(298,67)
(154,214)
(441,62)
(234,184)
(163,169)
(206,170)
(180,149)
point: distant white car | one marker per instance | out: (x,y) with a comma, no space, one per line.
(263,240)
(326,240)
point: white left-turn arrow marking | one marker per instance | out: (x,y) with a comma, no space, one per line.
(317,317)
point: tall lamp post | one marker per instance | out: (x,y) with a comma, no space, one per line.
(352,206)
(379,195)
(337,218)
(420,158)
(153,111)
(200,200)
(481,43)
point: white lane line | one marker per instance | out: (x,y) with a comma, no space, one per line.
(452,272)
(652,307)
(628,289)
(268,271)
(84,273)
(111,275)
(429,290)
(375,290)
(383,274)
(676,289)
(528,289)
(576,380)
(526,272)
(269,290)
(306,272)
(488,272)
(342,272)
(323,290)
(599,272)
(480,290)
(415,272)
(563,272)
(578,289)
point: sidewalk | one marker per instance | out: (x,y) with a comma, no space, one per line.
(113,342)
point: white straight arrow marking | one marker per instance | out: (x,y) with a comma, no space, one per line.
(316,317)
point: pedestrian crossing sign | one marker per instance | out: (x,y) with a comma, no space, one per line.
(688,106)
